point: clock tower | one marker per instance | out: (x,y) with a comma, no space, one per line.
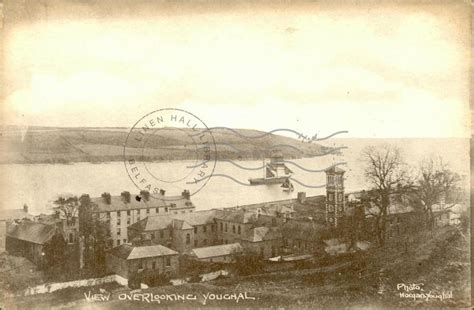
(335,204)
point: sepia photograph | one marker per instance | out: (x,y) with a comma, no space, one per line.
(235,154)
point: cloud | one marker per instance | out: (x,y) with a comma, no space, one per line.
(339,69)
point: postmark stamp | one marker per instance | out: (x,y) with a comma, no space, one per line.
(151,142)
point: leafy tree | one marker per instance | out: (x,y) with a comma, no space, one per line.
(54,253)
(68,207)
(248,263)
(95,234)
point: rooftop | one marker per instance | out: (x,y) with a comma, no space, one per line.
(262,233)
(31,232)
(179,221)
(217,250)
(117,203)
(128,252)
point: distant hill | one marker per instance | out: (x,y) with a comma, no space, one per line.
(69,145)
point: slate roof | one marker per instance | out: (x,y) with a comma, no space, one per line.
(31,232)
(262,233)
(178,221)
(318,200)
(13,214)
(237,216)
(128,252)
(117,203)
(217,250)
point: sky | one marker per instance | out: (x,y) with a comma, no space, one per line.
(375,71)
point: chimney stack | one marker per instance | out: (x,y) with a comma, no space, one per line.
(186,194)
(106,197)
(145,195)
(125,196)
(25,208)
(162,192)
(301,197)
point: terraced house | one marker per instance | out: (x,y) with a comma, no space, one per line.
(124,210)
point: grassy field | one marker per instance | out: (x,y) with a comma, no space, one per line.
(69,145)
(441,263)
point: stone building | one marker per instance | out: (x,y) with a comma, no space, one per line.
(126,260)
(180,232)
(125,210)
(28,239)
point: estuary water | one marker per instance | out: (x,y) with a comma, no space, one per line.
(38,185)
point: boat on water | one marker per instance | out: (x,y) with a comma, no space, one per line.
(275,172)
(288,186)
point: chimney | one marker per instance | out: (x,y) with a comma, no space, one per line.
(259,211)
(162,192)
(25,208)
(186,195)
(301,197)
(125,196)
(145,195)
(106,197)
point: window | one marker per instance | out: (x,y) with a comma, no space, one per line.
(147,211)
(166,209)
(262,250)
(204,228)
(157,210)
(331,197)
(128,221)
(195,230)
(118,232)
(152,236)
(118,221)
(205,241)
(238,230)
(225,241)
(339,197)
(128,212)
(233,229)
(188,239)
(195,243)
(118,241)
(71,238)
(213,228)
(221,226)
(124,240)
(161,234)
(153,265)
(398,220)
(225,227)
(141,264)
(168,262)
(274,221)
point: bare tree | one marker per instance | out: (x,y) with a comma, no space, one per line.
(436,183)
(387,174)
